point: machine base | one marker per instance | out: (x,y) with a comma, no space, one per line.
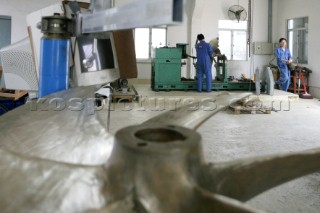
(192,85)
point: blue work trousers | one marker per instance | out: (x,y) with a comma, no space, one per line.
(201,71)
(284,80)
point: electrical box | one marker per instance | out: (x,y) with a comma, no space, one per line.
(263,48)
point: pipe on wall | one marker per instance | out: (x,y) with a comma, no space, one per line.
(270,12)
(190,7)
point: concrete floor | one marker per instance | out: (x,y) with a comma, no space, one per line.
(228,137)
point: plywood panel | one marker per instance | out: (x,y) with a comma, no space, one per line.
(124,43)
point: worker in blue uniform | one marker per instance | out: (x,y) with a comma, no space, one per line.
(283,56)
(205,56)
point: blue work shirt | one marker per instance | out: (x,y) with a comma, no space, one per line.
(282,54)
(204,52)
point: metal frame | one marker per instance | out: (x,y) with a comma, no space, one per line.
(146,13)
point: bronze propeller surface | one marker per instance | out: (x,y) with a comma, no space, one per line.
(62,159)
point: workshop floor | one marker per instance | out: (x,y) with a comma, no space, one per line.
(225,137)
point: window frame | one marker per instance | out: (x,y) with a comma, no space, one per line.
(146,60)
(232,42)
(298,30)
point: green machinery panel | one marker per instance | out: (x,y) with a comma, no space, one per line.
(170,70)
(166,74)
(168,53)
(166,67)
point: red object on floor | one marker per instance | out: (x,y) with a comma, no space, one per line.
(305,94)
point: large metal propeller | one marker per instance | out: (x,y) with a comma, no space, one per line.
(52,126)
(57,156)
(60,158)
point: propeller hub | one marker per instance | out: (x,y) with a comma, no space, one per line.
(158,138)
(150,159)
(160,135)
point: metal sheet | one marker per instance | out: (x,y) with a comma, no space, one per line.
(29,184)
(61,127)
(145,13)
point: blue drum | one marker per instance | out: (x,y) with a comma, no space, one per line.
(54,66)
(55,54)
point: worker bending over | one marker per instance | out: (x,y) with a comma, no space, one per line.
(205,56)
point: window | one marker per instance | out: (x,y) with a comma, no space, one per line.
(233,39)
(298,39)
(5,33)
(146,39)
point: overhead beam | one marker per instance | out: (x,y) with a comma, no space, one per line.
(144,13)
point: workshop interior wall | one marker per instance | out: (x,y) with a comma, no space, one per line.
(208,14)
(205,20)
(288,9)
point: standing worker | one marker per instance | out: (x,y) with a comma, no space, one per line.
(283,59)
(205,56)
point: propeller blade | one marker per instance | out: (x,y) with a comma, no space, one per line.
(126,205)
(195,199)
(193,115)
(244,179)
(61,127)
(222,204)
(232,11)
(29,184)
(192,200)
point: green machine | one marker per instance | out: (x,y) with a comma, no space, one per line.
(166,72)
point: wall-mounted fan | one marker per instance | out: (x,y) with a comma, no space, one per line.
(237,13)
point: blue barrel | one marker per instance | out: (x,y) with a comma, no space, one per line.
(54,66)
(55,54)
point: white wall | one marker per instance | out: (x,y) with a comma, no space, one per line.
(205,20)
(288,9)
(212,11)
(18,10)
